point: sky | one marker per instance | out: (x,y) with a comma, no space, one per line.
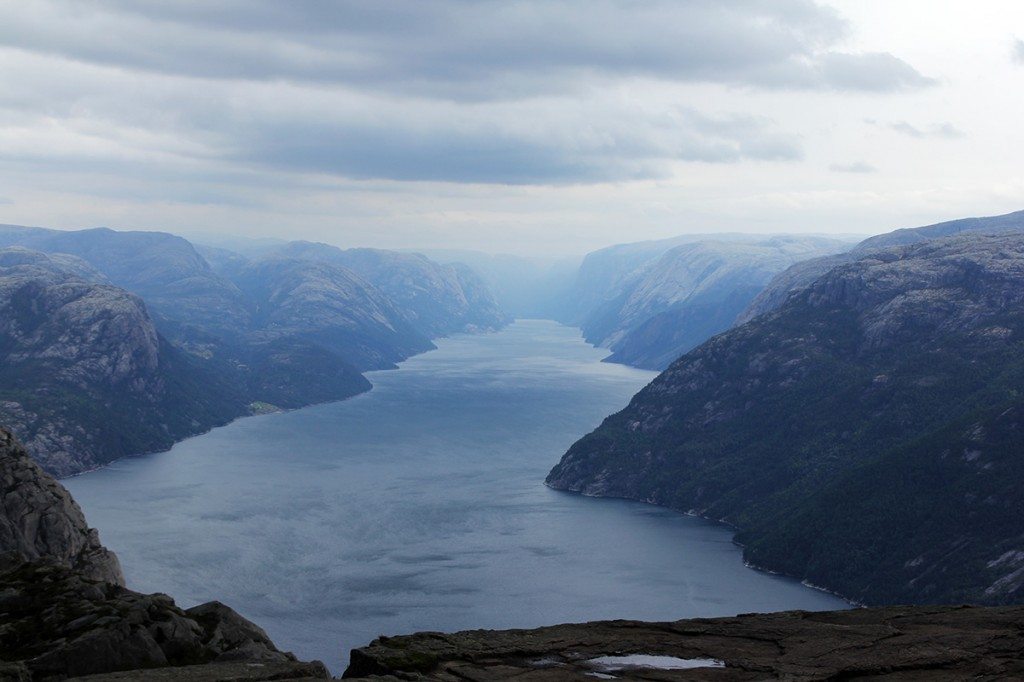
(519,126)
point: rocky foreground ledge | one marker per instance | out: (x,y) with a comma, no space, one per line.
(65,612)
(895,643)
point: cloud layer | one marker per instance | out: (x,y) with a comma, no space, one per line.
(461,49)
(855,167)
(521,92)
(935,130)
(522,125)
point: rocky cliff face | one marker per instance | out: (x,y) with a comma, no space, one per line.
(300,299)
(64,610)
(803,274)
(436,299)
(39,519)
(901,643)
(690,293)
(84,375)
(603,273)
(865,436)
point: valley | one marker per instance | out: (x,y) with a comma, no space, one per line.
(420,505)
(542,340)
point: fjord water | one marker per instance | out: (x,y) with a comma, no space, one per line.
(420,506)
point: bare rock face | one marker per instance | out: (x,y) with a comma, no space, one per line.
(661,308)
(436,299)
(332,306)
(85,377)
(800,276)
(38,518)
(165,270)
(898,643)
(248,671)
(65,612)
(58,623)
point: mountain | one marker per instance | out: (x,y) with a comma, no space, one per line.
(801,275)
(197,345)
(602,273)
(85,377)
(654,313)
(865,436)
(91,374)
(65,610)
(302,300)
(188,300)
(438,300)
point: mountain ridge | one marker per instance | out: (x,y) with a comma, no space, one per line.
(802,274)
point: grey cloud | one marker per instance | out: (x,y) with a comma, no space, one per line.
(941,130)
(506,149)
(1018,51)
(175,129)
(872,71)
(466,50)
(855,167)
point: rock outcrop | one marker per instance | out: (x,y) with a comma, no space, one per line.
(64,609)
(865,437)
(899,643)
(59,623)
(38,519)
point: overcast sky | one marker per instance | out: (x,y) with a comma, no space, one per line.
(514,126)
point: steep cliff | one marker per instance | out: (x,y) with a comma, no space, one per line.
(85,377)
(864,437)
(64,610)
(436,299)
(331,306)
(689,294)
(39,519)
(135,342)
(603,273)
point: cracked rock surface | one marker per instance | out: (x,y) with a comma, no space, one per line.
(894,643)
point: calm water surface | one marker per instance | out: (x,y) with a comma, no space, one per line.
(420,505)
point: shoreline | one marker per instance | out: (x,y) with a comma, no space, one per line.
(695,514)
(280,410)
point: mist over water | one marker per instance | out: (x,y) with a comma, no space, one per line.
(421,505)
